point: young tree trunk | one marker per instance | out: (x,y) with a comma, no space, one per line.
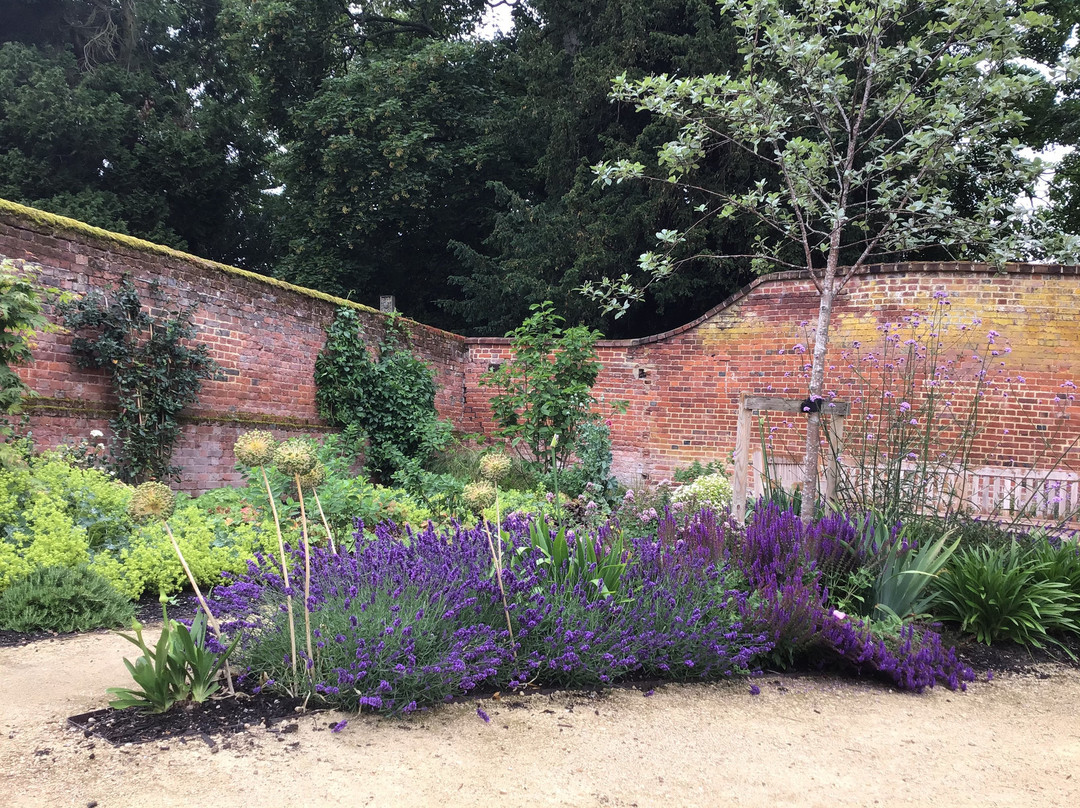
(817,389)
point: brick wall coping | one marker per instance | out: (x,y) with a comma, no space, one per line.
(25,217)
(915,267)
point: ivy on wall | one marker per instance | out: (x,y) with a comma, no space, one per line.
(155,370)
(389,398)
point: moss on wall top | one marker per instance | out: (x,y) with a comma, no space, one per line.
(52,223)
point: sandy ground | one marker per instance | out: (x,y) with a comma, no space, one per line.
(805,741)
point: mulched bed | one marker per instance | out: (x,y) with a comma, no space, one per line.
(223,717)
(1010,657)
(217,717)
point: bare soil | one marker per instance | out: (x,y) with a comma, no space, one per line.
(806,740)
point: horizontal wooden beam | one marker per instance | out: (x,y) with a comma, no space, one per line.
(777,404)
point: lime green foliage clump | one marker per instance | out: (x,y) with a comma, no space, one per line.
(708,491)
(53,513)
(63,599)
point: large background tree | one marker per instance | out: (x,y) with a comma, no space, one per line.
(405,155)
(554,229)
(863,115)
(125,114)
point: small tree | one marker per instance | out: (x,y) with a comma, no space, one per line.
(881,127)
(546,389)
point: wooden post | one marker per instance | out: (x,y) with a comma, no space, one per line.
(742,459)
(832,457)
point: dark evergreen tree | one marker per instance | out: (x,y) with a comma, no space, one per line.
(124,113)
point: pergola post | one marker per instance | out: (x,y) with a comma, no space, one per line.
(748,405)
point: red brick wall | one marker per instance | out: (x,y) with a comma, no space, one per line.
(683,387)
(265,336)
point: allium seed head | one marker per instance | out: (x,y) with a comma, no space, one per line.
(255,448)
(314,478)
(494,467)
(295,457)
(480,495)
(152,502)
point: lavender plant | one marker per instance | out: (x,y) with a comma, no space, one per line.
(406,624)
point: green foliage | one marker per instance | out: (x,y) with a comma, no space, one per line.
(902,588)
(154,371)
(391,397)
(573,559)
(179,668)
(53,513)
(687,474)
(591,470)
(346,496)
(132,117)
(21,315)
(877,128)
(1060,562)
(210,542)
(545,389)
(511,500)
(554,229)
(1005,593)
(63,599)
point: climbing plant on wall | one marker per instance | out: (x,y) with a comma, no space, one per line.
(155,370)
(388,397)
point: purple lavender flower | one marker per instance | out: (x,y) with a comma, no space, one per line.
(480,712)
(340,725)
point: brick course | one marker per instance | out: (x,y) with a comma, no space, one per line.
(683,386)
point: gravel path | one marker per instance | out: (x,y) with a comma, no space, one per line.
(805,741)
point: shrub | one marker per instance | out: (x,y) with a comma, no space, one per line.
(780,558)
(209,545)
(545,389)
(63,599)
(155,369)
(708,491)
(21,315)
(391,398)
(405,624)
(53,513)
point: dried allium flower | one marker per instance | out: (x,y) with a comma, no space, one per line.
(494,466)
(295,457)
(255,448)
(152,501)
(480,495)
(314,478)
